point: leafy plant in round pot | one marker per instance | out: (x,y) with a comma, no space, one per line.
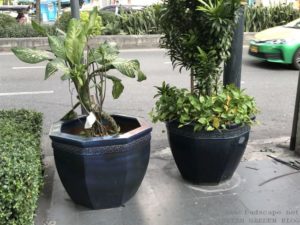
(208,126)
(101,159)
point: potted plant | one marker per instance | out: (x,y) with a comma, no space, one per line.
(208,125)
(101,158)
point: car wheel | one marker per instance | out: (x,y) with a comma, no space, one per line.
(296,60)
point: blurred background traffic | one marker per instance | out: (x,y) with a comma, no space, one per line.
(137,17)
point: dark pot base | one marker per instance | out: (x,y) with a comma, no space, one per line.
(102,173)
(207,158)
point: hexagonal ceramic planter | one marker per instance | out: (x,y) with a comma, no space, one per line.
(102,172)
(207,157)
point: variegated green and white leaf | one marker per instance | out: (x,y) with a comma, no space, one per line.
(60,65)
(61,32)
(126,67)
(31,55)
(50,70)
(92,21)
(66,76)
(56,44)
(55,65)
(94,56)
(75,42)
(104,54)
(140,75)
(117,86)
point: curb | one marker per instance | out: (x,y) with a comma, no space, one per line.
(123,41)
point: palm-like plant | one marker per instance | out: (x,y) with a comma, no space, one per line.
(198,36)
(87,68)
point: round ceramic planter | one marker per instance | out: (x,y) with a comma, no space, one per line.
(102,172)
(207,157)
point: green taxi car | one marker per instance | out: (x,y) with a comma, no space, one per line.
(278,44)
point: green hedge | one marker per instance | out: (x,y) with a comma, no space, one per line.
(63,21)
(22,30)
(147,21)
(140,22)
(258,18)
(20,166)
(10,28)
(111,23)
(6,20)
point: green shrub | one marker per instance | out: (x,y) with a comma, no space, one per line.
(142,22)
(9,28)
(20,166)
(217,111)
(107,17)
(6,20)
(258,18)
(111,23)
(63,21)
(22,30)
(84,18)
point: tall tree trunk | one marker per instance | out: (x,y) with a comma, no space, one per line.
(58,7)
(38,11)
(75,9)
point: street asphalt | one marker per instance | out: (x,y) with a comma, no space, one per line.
(272,85)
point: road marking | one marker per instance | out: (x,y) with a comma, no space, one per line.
(6,53)
(26,93)
(143,50)
(27,67)
(167,62)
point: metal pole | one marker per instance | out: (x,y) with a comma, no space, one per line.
(233,67)
(295,127)
(75,9)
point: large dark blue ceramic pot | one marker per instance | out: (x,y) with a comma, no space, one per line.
(207,157)
(102,172)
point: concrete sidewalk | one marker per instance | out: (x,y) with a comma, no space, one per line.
(262,191)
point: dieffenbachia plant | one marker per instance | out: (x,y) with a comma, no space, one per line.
(87,68)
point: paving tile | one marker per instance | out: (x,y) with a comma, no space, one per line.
(164,198)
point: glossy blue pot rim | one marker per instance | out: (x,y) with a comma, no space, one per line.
(125,138)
